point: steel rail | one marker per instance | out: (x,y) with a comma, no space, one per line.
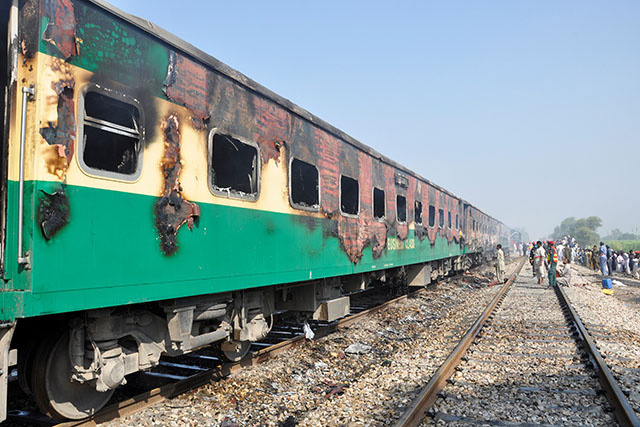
(421,404)
(622,409)
(168,391)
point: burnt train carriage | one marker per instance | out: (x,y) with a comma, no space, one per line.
(155,201)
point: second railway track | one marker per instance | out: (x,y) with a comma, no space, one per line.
(528,361)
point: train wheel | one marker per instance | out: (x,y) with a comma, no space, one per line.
(234,351)
(52,388)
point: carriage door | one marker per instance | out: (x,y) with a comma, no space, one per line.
(7,9)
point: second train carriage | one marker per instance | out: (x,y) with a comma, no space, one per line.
(155,201)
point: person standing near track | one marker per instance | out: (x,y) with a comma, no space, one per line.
(603,259)
(552,262)
(538,262)
(500,265)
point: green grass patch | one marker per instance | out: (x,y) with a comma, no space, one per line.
(624,245)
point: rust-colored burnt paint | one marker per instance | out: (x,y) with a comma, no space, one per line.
(171,210)
(61,30)
(186,84)
(273,128)
(62,133)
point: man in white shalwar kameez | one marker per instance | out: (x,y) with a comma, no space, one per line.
(500,268)
(538,262)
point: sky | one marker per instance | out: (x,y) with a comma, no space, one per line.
(528,109)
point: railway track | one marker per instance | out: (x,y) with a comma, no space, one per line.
(527,360)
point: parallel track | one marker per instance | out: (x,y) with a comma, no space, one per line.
(575,332)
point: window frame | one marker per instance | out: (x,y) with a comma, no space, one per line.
(121,97)
(252,197)
(457,222)
(449,223)
(356,215)
(373,204)
(415,208)
(406,210)
(441,223)
(301,207)
(434,217)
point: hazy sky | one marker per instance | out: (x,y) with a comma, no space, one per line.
(528,109)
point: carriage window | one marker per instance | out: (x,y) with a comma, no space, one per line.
(349,195)
(449,219)
(110,144)
(417,212)
(378,203)
(441,217)
(457,224)
(401,208)
(304,185)
(234,167)
(432,216)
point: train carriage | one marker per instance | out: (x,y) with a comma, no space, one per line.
(155,201)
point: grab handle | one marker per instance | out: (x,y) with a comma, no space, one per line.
(28,94)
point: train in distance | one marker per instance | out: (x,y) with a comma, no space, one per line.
(155,201)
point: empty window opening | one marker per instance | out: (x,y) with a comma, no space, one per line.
(234,166)
(441,217)
(417,212)
(457,224)
(304,185)
(349,195)
(432,216)
(449,219)
(111,134)
(401,208)
(378,203)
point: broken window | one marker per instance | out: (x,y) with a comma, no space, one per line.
(234,167)
(304,185)
(441,217)
(401,208)
(378,203)
(432,216)
(449,219)
(349,195)
(457,224)
(417,212)
(111,136)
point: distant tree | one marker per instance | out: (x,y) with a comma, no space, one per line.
(583,229)
(616,234)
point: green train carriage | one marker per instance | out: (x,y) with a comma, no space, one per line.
(155,201)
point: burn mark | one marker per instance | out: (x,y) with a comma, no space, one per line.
(53,213)
(63,133)
(186,84)
(61,28)
(171,210)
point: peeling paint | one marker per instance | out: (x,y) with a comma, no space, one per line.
(63,132)
(186,84)
(53,213)
(171,210)
(61,28)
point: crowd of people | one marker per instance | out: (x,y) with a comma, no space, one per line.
(545,256)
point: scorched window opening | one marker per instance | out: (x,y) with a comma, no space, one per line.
(378,204)
(111,136)
(234,167)
(432,215)
(417,212)
(401,208)
(349,196)
(305,192)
